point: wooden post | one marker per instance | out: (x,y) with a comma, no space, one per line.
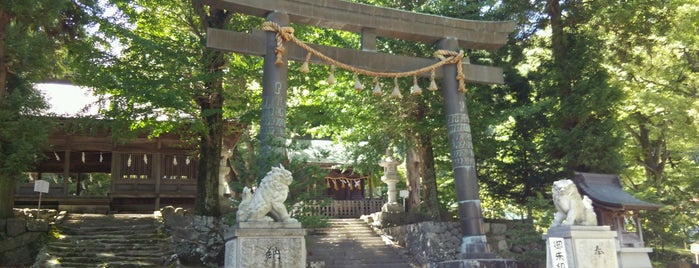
(38,209)
(116,170)
(368,39)
(474,244)
(157,173)
(66,171)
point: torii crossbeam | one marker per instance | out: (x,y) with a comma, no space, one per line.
(372,21)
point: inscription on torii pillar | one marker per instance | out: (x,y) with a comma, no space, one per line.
(447,33)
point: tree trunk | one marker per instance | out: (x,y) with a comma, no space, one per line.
(6,182)
(4,22)
(7,187)
(654,151)
(429,178)
(558,44)
(207,202)
(413,163)
(211,108)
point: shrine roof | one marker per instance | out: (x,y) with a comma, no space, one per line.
(605,190)
(345,174)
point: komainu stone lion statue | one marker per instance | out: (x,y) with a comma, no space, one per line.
(268,199)
(570,206)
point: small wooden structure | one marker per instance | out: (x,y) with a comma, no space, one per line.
(614,206)
(344,184)
(341,183)
(348,194)
(346,208)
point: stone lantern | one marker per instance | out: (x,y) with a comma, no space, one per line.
(391,178)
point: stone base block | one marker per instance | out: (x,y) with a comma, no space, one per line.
(584,246)
(478,263)
(635,257)
(265,244)
(389,219)
(392,207)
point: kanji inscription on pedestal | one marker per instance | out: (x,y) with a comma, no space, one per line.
(557,252)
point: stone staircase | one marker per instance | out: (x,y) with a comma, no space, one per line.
(97,240)
(352,243)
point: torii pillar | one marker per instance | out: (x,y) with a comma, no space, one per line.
(274,92)
(474,244)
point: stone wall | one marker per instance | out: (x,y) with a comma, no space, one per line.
(428,242)
(433,242)
(198,240)
(22,237)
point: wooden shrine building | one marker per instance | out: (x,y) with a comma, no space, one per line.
(614,206)
(90,171)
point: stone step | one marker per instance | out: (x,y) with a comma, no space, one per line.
(354,265)
(363,262)
(87,240)
(124,233)
(352,243)
(349,253)
(344,227)
(347,224)
(94,221)
(98,236)
(75,247)
(144,232)
(94,240)
(112,264)
(329,241)
(107,227)
(367,233)
(111,255)
(367,262)
(107,218)
(348,234)
(91,261)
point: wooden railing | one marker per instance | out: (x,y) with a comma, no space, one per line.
(344,208)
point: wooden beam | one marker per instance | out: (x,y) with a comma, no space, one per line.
(387,22)
(380,62)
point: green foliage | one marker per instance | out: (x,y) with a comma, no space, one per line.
(665,257)
(584,135)
(651,57)
(22,133)
(152,66)
(35,45)
(35,38)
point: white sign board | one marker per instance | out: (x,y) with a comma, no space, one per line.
(694,248)
(557,256)
(403,193)
(41,186)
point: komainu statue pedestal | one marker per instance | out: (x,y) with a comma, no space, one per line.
(266,244)
(581,247)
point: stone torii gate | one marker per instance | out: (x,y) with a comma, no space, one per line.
(371,21)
